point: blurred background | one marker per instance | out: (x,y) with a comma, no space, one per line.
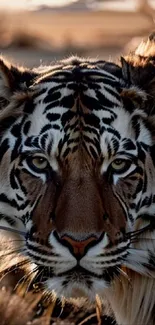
(34,32)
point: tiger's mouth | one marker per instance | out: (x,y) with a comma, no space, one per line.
(77,281)
(78,273)
(62,272)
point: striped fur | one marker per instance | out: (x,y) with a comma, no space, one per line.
(91,127)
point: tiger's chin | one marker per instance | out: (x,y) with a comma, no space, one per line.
(76,288)
(79,282)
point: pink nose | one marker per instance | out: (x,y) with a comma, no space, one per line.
(78,247)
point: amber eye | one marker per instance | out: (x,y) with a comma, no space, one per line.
(38,163)
(120,165)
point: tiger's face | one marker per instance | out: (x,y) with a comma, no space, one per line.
(77,175)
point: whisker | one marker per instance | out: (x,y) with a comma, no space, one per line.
(141,238)
(148,227)
(136,233)
(39,273)
(123,273)
(51,295)
(12,268)
(25,278)
(36,273)
(23,233)
(88,318)
(134,241)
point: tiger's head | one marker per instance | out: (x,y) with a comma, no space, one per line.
(77,172)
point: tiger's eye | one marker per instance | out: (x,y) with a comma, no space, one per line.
(39,162)
(120,165)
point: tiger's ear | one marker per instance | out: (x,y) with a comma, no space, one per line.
(13,79)
(138,70)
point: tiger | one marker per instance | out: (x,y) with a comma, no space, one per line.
(77,178)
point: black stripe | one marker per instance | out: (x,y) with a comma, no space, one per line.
(52,96)
(13,182)
(52,117)
(4,199)
(9,220)
(26,127)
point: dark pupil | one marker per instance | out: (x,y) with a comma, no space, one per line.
(118,162)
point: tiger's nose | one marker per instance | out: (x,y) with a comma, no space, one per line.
(78,248)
